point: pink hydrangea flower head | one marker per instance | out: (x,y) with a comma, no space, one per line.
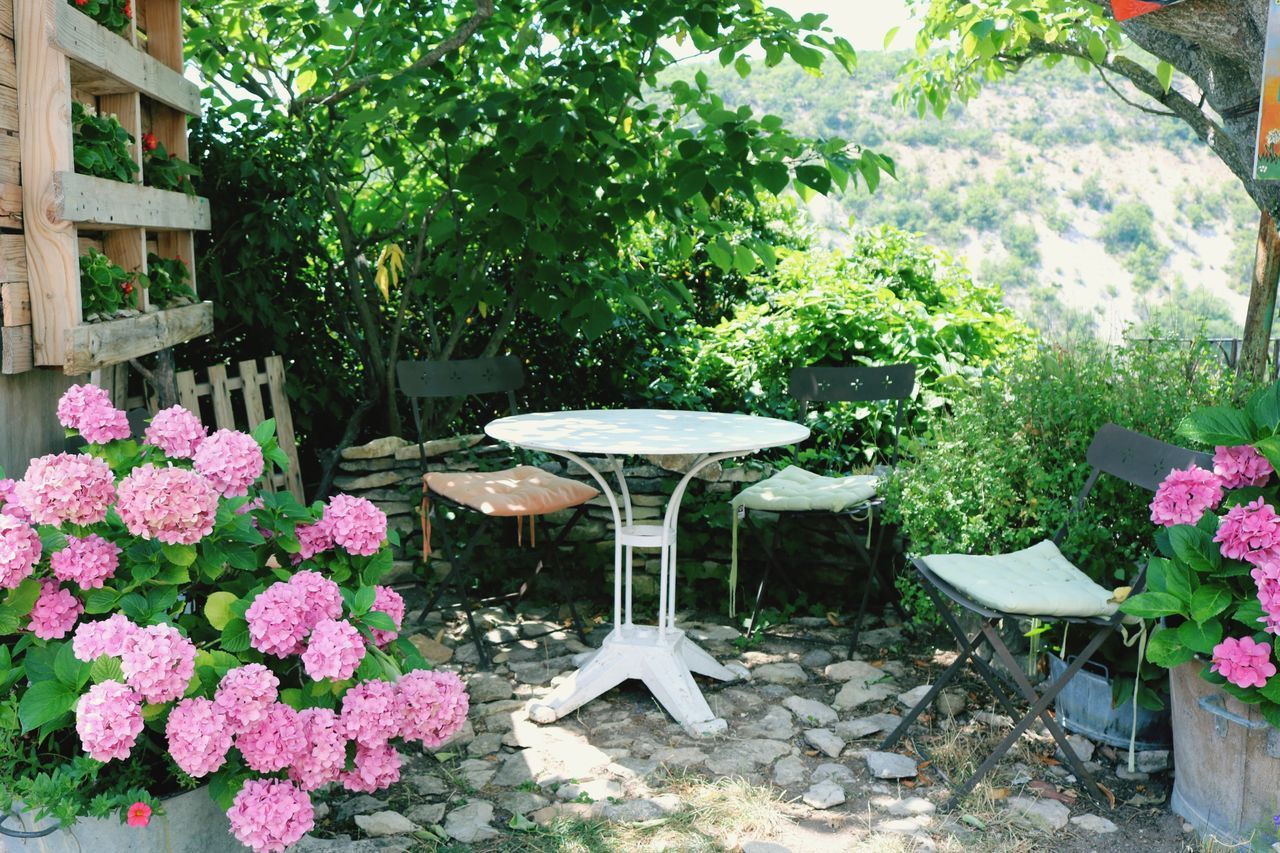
(376,767)
(55,612)
(321,596)
(435,706)
(88,409)
(19,551)
(87,561)
(269,815)
(176,432)
(244,694)
(173,505)
(108,720)
(1266,577)
(1185,495)
(1241,466)
(390,602)
(67,487)
(198,736)
(372,712)
(334,650)
(230,460)
(278,620)
(356,524)
(1243,662)
(9,500)
(1250,532)
(158,662)
(325,755)
(274,741)
(313,539)
(107,637)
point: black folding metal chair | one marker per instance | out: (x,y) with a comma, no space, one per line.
(421,380)
(893,384)
(1129,456)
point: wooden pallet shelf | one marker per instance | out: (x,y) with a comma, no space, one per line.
(94,345)
(104,204)
(62,55)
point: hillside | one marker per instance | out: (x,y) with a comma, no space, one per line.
(1092,215)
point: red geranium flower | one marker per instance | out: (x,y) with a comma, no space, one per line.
(127,287)
(81,2)
(128,9)
(139,814)
(149,141)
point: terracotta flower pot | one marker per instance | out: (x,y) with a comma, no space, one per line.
(192,823)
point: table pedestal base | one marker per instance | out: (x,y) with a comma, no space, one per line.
(665,663)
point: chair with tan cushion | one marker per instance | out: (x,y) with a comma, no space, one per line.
(521,492)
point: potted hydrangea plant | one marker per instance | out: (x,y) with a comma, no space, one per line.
(167,624)
(1215,589)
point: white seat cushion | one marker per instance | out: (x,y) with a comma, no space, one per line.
(797,490)
(1036,581)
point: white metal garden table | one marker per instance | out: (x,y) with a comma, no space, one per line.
(659,655)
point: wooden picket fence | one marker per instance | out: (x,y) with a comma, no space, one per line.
(230,402)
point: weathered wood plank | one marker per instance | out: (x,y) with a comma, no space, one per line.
(187,392)
(13,258)
(44,92)
(105,63)
(224,416)
(11,206)
(128,247)
(98,344)
(84,244)
(16,300)
(6,18)
(8,63)
(162,19)
(16,355)
(250,379)
(181,245)
(11,159)
(103,203)
(284,423)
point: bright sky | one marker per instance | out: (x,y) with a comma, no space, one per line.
(863,22)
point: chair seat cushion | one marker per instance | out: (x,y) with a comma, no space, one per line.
(1036,581)
(797,490)
(524,490)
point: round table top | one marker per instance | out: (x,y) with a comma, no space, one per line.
(657,432)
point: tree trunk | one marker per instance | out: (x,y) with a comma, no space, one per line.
(165,378)
(1262,303)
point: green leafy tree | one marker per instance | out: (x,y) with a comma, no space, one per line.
(462,164)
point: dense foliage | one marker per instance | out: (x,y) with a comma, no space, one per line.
(101,145)
(105,286)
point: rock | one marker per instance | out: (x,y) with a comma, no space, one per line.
(321,811)
(996,721)
(594,790)
(789,771)
(775,725)
(856,693)
(428,786)
(912,697)
(824,795)
(376,480)
(825,741)
(754,846)
(735,758)
(682,756)
(633,769)
(838,773)
(635,811)
(471,822)
(810,711)
(515,771)
(864,726)
(485,744)
(463,735)
(488,687)
(1152,761)
(904,825)
(1048,815)
(430,649)
(1122,772)
(426,814)
(950,701)
(780,673)
(383,823)
(712,633)
(1081,746)
(344,844)
(816,658)
(1094,823)
(477,771)
(438,447)
(522,802)
(573,811)
(358,805)
(853,670)
(880,638)
(905,806)
(890,765)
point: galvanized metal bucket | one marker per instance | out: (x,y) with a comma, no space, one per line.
(192,823)
(1226,763)
(1084,707)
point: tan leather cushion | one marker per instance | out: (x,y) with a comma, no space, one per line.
(524,490)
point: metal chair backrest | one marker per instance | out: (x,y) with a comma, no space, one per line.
(1133,457)
(471,377)
(856,385)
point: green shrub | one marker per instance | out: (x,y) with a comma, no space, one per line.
(1129,226)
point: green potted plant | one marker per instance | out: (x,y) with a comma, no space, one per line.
(1215,589)
(105,287)
(168,627)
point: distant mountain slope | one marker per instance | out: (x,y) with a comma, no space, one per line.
(1093,215)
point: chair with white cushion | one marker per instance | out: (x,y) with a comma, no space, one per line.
(1038,583)
(520,492)
(852,501)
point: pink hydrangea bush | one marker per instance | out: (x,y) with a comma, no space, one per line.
(1243,661)
(150,573)
(1241,466)
(1184,496)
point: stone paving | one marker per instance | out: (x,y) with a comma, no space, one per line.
(806,724)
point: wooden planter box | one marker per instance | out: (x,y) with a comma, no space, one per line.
(52,54)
